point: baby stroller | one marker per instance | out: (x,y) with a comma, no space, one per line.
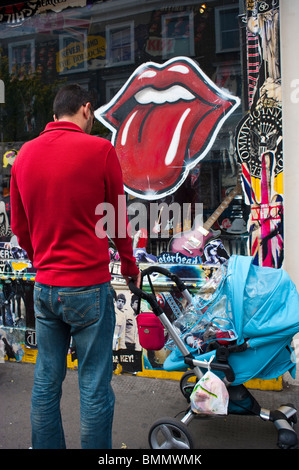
(262,306)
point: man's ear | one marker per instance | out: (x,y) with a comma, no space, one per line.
(86,107)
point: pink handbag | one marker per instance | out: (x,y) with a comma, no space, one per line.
(150,331)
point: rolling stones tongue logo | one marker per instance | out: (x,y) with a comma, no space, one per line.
(164,120)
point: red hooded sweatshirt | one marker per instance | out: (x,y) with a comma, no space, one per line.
(59,182)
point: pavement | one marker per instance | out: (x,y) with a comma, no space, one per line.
(140,401)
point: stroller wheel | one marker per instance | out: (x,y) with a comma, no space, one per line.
(293,419)
(168,433)
(187,383)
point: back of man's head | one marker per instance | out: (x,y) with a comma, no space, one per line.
(69,99)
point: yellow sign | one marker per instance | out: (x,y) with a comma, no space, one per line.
(77,53)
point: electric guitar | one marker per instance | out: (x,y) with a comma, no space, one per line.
(192,242)
(157,226)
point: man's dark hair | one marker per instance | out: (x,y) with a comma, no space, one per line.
(69,99)
(121,297)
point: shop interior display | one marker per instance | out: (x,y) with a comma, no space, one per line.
(190,95)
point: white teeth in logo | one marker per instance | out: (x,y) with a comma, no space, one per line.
(170,95)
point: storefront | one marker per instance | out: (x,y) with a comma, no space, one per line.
(190,94)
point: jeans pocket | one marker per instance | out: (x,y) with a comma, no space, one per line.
(80,308)
(37,298)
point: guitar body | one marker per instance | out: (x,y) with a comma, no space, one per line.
(192,242)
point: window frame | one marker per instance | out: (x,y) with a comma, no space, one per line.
(19,45)
(218,31)
(109,31)
(165,39)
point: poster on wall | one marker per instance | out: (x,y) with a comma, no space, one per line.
(259,134)
(72,55)
(127,351)
(16,14)
(79,52)
(58,6)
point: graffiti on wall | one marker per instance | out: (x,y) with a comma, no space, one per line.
(128,352)
(259,134)
(164,120)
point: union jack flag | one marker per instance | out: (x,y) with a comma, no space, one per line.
(265,223)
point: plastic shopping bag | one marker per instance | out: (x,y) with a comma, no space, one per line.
(210,395)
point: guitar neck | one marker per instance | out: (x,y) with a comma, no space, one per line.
(212,219)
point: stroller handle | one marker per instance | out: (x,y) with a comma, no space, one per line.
(151,298)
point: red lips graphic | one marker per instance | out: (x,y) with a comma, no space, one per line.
(164,120)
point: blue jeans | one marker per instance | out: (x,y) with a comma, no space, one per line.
(87,315)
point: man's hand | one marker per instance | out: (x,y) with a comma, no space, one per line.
(136,279)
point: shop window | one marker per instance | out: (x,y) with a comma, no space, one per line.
(227,29)
(120,44)
(87,46)
(177,35)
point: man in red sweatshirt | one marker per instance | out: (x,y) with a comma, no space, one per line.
(58,180)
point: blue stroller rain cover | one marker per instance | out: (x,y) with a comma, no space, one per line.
(264,308)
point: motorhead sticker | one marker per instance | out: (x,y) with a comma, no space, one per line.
(164,120)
